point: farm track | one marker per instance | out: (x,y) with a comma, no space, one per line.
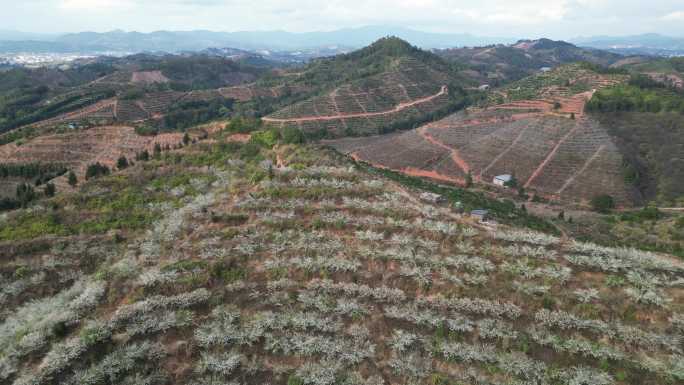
(586,165)
(550,156)
(503,153)
(499,140)
(455,156)
(397,108)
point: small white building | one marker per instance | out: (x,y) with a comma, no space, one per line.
(502,180)
(431,197)
(545,69)
(484,87)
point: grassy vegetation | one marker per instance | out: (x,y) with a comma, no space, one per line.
(571,78)
(127,203)
(652,146)
(644,229)
(504,211)
(628,98)
(325,268)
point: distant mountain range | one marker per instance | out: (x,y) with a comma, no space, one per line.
(646,44)
(311,44)
(177,41)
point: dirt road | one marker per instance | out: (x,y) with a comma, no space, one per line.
(397,108)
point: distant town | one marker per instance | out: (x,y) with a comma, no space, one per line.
(32,60)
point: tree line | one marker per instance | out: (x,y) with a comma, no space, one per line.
(638,96)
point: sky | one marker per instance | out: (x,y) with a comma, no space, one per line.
(560,19)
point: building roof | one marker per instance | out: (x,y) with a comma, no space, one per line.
(479,213)
(430,196)
(504,177)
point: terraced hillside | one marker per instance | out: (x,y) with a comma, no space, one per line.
(394,86)
(77,150)
(563,81)
(197,272)
(123,90)
(547,142)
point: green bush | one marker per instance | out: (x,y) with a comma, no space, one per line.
(624,98)
(241,125)
(603,203)
(680,223)
(122,163)
(50,190)
(72,180)
(292,135)
(266,139)
(96,170)
(146,130)
(645,214)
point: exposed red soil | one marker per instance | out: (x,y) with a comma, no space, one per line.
(412,171)
(554,156)
(549,157)
(455,156)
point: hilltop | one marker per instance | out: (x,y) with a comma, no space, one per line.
(383,87)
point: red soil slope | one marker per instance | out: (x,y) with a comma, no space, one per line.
(551,153)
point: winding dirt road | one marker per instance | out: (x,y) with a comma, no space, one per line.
(397,108)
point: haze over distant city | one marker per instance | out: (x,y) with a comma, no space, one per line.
(561,19)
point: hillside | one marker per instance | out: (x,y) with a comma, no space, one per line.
(168,92)
(383,87)
(535,129)
(498,64)
(645,118)
(209,266)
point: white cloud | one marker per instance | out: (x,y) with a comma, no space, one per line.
(95,5)
(520,18)
(674,16)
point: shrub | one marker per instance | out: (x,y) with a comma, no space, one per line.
(265,138)
(680,223)
(146,130)
(143,156)
(25,194)
(603,203)
(50,190)
(72,180)
(242,125)
(292,135)
(96,170)
(156,152)
(122,163)
(645,214)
